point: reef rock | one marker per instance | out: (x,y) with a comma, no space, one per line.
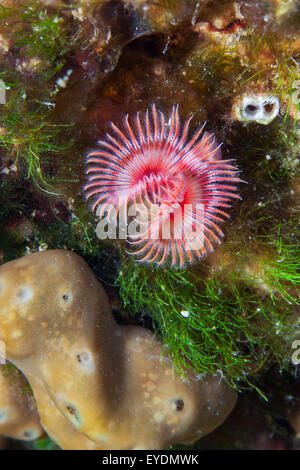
(97,384)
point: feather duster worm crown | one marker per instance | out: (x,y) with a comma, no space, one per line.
(181,188)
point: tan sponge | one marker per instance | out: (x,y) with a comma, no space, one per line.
(97,385)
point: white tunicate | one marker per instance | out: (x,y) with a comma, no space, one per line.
(251,109)
(270,109)
(259,108)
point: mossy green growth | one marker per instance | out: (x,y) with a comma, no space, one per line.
(255,62)
(12,374)
(27,131)
(78,234)
(45,444)
(217,324)
(29,134)
(38,33)
(281,272)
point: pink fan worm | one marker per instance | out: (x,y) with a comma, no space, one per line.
(181,188)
